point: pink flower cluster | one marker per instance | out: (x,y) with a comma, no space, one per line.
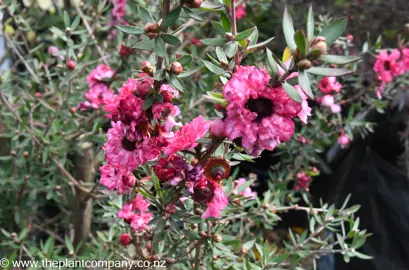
(98,89)
(259,114)
(136,213)
(303,181)
(119,10)
(390,65)
(240,10)
(328,85)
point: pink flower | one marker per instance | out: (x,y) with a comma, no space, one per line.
(327,100)
(52,50)
(380,90)
(172,169)
(260,115)
(168,92)
(170,209)
(212,195)
(136,212)
(217,128)
(303,181)
(163,110)
(97,94)
(117,178)
(240,10)
(121,151)
(186,137)
(119,10)
(305,109)
(350,37)
(329,84)
(387,65)
(344,140)
(125,239)
(247,192)
(98,75)
(335,108)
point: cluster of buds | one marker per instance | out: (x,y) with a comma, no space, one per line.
(193,3)
(146,67)
(152,30)
(318,47)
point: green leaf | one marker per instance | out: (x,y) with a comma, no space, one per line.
(329,71)
(66,19)
(214,41)
(339,59)
(304,82)
(170,39)
(288,29)
(45,104)
(130,29)
(261,44)
(192,14)
(145,15)
(213,68)
(361,256)
(334,30)
(230,48)
(148,102)
(210,6)
(160,48)
(185,60)
(219,27)
(75,23)
(248,245)
(156,184)
(300,42)
(187,73)
(310,24)
(68,244)
(159,75)
(220,54)
(170,18)
(245,34)
(291,92)
(176,82)
(225,21)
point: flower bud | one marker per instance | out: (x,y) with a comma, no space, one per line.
(125,51)
(203,234)
(146,67)
(344,140)
(25,154)
(196,3)
(125,239)
(176,68)
(244,250)
(71,64)
(304,64)
(152,30)
(319,44)
(217,238)
(217,128)
(73,110)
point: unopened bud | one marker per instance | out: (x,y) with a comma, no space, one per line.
(25,154)
(73,110)
(146,67)
(13,153)
(244,250)
(170,260)
(176,68)
(319,44)
(304,64)
(224,64)
(203,234)
(71,65)
(68,31)
(196,3)
(217,238)
(229,36)
(152,30)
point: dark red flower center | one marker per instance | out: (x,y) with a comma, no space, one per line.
(128,145)
(264,107)
(387,65)
(203,195)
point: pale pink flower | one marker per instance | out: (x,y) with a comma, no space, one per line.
(387,65)
(329,84)
(217,203)
(98,75)
(327,100)
(52,50)
(335,108)
(97,94)
(117,178)
(305,109)
(186,138)
(247,192)
(258,114)
(344,140)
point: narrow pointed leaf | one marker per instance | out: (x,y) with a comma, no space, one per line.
(261,44)
(171,18)
(329,71)
(339,59)
(300,42)
(272,64)
(245,34)
(288,29)
(130,29)
(304,82)
(310,24)
(292,92)
(170,39)
(214,41)
(213,68)
(334,30)
(145,15)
